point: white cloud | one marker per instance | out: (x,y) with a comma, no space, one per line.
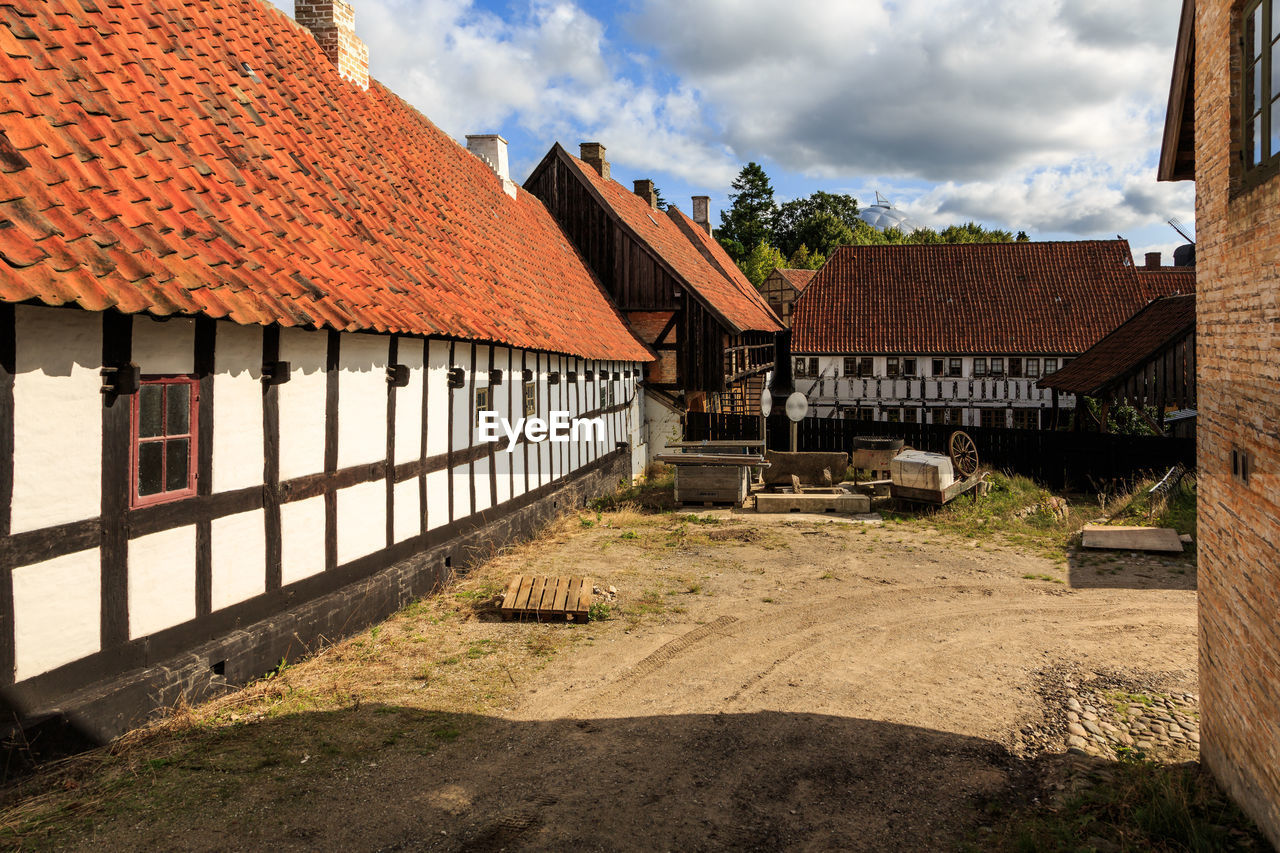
(1036,114)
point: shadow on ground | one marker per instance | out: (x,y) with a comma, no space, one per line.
(1131,570)
(392,778)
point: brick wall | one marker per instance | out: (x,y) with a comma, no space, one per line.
(1238,307)
(333,23)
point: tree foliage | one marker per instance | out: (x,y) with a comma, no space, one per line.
(802,233)
(749,219)
(822,222)
(761,261)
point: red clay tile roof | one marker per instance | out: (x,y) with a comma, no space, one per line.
(144,166)
(799,279)
(1171,280)
(1144,335)
(1055,298)
(691,254)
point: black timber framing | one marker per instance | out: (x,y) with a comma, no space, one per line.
(271,459)
(331,449)
(117,350)
(8,374)
(205,343)
(393,355)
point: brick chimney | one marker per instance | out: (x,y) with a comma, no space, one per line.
(702,211)
(333,23)
(592,153)
(644,189)
(492,149)
(1153,260)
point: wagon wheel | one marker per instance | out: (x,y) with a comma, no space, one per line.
(964,454)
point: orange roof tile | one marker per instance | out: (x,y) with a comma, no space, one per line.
(799,279)
(143,167)
(1041,297)
(690,252)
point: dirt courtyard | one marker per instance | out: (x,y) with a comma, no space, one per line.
(761,682)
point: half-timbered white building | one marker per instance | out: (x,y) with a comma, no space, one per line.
(252,308)
(961,334)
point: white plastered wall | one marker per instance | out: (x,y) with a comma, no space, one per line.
(162,580)
(301,539)
(437,499)
(362,399)
(164,347)
(437,398)
(302,403)
(409,402)
(362,519)
(237,407)
(57,437)
(56,612)
(407,522)
(239,552)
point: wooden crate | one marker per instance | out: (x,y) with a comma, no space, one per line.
(545,597)
(712,484)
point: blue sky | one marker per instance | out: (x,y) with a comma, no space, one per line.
(1042,115)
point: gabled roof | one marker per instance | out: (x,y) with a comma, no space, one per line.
(203,156)
(1052,298)
(1144,336)
(685,249)
(1177,152)
(799,279)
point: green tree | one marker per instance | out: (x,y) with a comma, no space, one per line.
(803,259)
(808,222)
(761,261)
(660,201)
(749,219)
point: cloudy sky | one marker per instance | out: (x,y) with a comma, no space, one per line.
(1042,115)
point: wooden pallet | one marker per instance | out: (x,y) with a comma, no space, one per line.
(547,597)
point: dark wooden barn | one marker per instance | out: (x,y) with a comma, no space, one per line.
(712,331)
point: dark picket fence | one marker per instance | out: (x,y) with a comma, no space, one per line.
(1056,459)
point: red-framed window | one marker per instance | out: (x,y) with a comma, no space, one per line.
(163,457)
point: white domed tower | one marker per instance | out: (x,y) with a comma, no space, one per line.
(883,215)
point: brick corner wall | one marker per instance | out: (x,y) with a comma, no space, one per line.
(1238,353)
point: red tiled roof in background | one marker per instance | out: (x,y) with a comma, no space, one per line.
(1056,298)
(690,253)
(1171,279)
(799,279)
(1146,334)
(203,156)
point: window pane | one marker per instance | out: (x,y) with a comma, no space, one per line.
(1255,134)
(1275,127)
(1254,36)
(175,475)
(1255,98)
(151,410)
(177,410)
(150,467)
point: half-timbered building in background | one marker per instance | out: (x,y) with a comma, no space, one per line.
(960,334)
(712,332)
(251,307)
(781,287)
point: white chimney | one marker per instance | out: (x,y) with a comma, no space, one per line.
(492,149)
(702,212)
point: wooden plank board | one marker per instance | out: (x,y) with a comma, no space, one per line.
(522,597)
(535,594)
(545,597)
(509,597)
(1159,539)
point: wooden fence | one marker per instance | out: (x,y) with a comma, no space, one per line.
(1056,459)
